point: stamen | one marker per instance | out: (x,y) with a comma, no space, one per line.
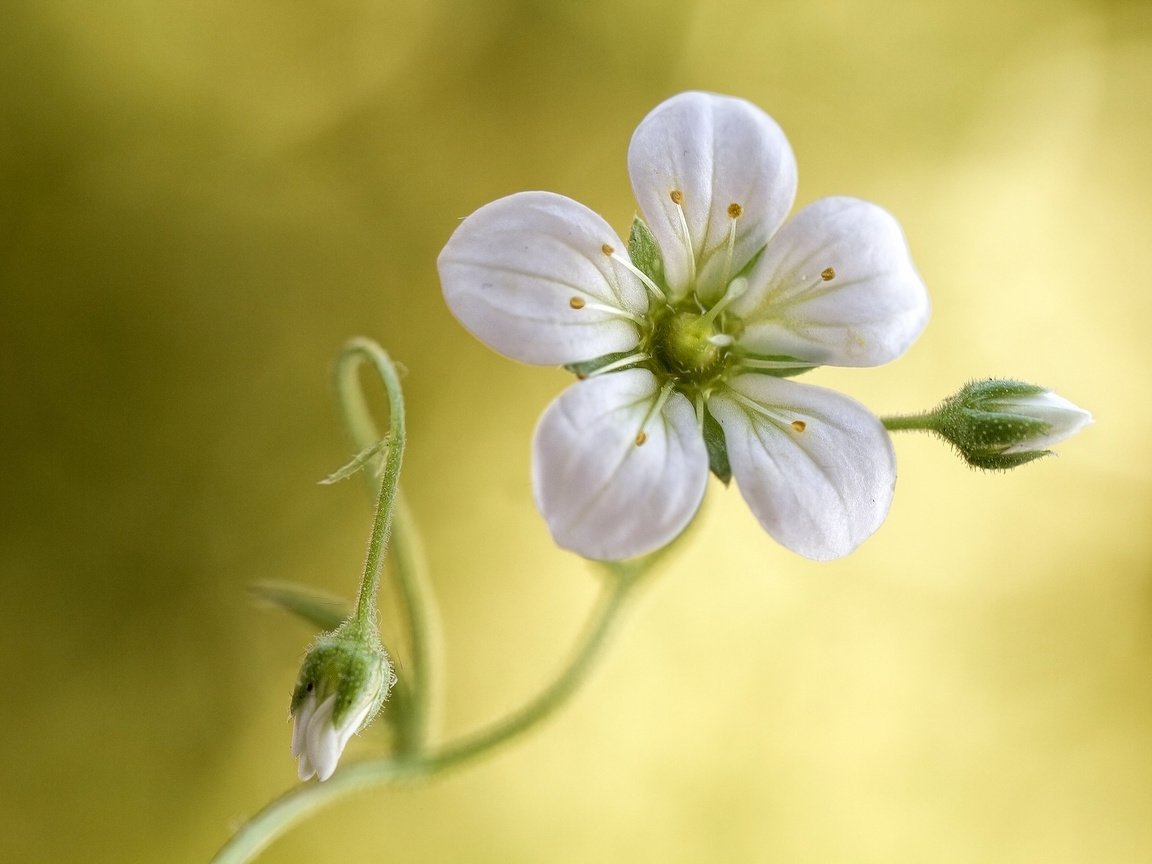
(720,340)
(757,407)
(635,271)
(678,199)
(700,413)
(612,310)
(756,363)
(827,274)
(735,211)
(735,291)
(799,425)
(620,364)
(576,302)
(656,408)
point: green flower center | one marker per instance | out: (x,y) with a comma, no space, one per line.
(689,346)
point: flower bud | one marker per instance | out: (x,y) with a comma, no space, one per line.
(1000,424)
(343,683)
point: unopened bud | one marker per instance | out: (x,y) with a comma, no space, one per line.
(343,683)
(1000,424)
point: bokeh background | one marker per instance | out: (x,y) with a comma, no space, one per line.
(200,201)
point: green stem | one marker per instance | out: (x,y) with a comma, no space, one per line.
(419,603)
(363,349)
(411,571)
(276,818)
(910,422)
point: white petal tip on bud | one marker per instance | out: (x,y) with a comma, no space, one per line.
(1064,419)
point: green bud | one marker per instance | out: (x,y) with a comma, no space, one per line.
(999,424)
(343,683)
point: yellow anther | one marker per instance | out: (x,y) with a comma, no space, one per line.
(576,303)
(799,425)
(827,274)
(641,437)
(606,249)
(735,210)
(677,197)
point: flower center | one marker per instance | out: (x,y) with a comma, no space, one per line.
(684,345)
(691,345)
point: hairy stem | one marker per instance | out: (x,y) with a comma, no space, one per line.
(414,587)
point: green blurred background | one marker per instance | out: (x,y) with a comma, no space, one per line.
(201,201)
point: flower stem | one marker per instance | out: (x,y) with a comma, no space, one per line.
(411,572)
(280,815)
(925,422)
(359,350)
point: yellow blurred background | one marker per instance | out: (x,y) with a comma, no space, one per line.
(201,201)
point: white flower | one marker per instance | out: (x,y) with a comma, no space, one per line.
(688,333)
(343,683)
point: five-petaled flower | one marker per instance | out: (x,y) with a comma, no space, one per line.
(684,337)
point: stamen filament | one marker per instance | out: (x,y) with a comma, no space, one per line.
(731,250)
(612,310)
(735,291)
(620,364)
(757,407)
(639,274)
(756,363)
(678,199)
(656,408)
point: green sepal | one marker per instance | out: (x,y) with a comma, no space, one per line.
(1003,461)
(325,611)
(350,663)
(645,252)
(357,464)
(586,367)
(987,431)
(717,446)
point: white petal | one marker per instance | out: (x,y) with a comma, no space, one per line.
(715,151)
(351,724)
(300,723)
(603,495)
(304,769)
(835,286)
(816,468)
(512,269)
(1065,418)
(322,742)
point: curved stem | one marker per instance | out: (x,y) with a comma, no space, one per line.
(277,817)
(394,457)
(599,627)
(419,603)
(414,587)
